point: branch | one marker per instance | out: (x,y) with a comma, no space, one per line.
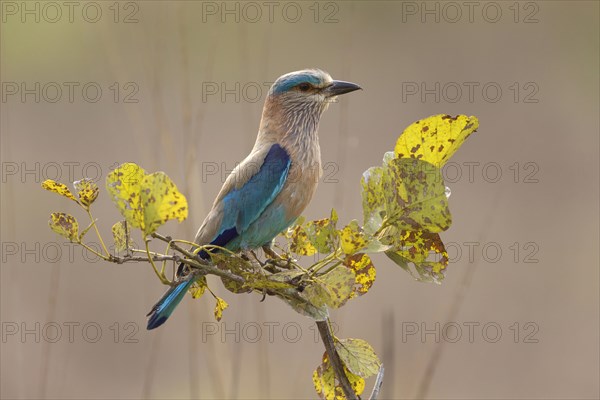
(334,359)
(378,383)
(121,260)
(196,262)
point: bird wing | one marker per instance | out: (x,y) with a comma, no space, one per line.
(247,192)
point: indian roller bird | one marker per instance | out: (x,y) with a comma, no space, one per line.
(272,186)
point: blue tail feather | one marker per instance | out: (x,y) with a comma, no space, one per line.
(165,306)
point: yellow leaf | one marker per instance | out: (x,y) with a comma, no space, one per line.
(219,307)
(59,188)
(121,236)
(161,201)
(435,139)
(364,271)
(327,385)
(425,250)
(352,238)
(87,190)
(300,244)
(358,356)
(65,225)
(199,287)
(124,186)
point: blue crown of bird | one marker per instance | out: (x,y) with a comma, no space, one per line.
(272,186)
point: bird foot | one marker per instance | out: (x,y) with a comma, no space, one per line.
(276,259)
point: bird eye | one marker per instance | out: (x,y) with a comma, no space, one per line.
(304,86)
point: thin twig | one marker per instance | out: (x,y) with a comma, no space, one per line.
(162,278)
(97,231)
(334,359)
(378,383)
(200,264)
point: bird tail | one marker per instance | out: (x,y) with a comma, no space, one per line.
(167,303)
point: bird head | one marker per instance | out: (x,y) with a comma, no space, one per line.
(296,100)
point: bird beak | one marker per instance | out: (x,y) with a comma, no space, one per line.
(340,87)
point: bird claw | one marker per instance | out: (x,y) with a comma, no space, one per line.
(276,259)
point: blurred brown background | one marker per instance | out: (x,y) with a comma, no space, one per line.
(517,318)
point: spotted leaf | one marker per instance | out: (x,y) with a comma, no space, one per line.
(198,287)
(415,196)
(87,190)
(59,188)
(300,242)
(124,186)
(65,225)
(364,273)
(161,201)
(332,289)
(352,238)
(425,251)
(121,236)
(327,385)
(373,198)
(435,139)
(358,356)
(219,307)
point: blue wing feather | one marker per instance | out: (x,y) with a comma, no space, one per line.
(243,206)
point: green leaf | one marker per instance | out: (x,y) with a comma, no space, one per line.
(59,188)
(161,201)
(415,196)
(279,280)
(87,190)
(435,139)
(302,306)
(358,356)
(124,186)
(322,233)
(327,385)
(65,225)
(313,236)
(373,198)
(121,236)
(364,272)
(237,266)
(332,289)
